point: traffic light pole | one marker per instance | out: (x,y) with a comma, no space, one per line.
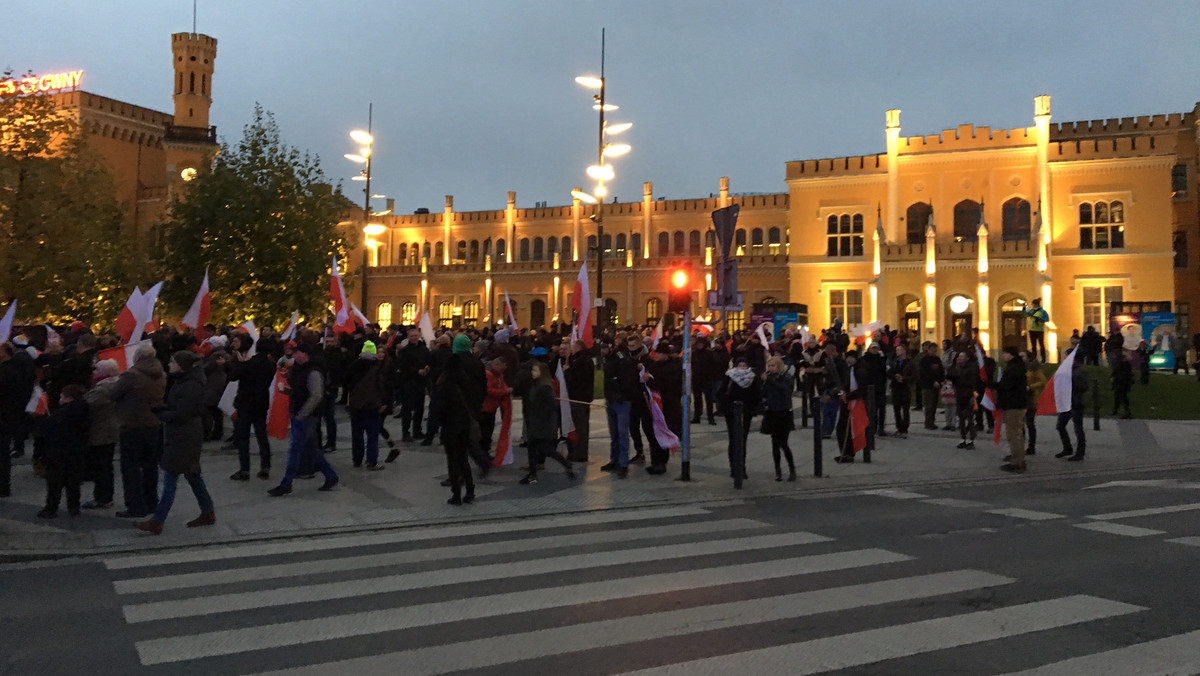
(685,463)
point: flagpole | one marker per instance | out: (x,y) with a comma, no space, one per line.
(685,463)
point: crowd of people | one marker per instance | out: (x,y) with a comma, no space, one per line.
(458,388)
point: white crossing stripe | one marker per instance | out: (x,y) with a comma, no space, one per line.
(1192,541)
(442,659)
(408,535)
(1118,529)
(895,493)
(1151,511)
(1165,657)
(233,641)
(955,502)
(876,645)
(222,603)
(1018,513)
(455,552)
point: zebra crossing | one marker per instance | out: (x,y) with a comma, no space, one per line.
(584,590)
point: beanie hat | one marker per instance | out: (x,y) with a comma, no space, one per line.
(369,348)
(106,368)
(462,343)
(185,358)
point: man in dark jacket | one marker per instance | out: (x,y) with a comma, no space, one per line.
(902,375)
(138,391)
(305,391)
(931,373)
(620,388)
(666,371)
(580,373)
(437,362)
(16,387)
(1079,388)
(63,459)
(1012,398)
(875,368)
(254,375)
(412,368)
(704,374)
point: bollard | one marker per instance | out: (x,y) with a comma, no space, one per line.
(872,421)
(816,437)
(737,450)
(1095,405)
(804,408)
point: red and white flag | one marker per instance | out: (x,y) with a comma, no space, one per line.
(289,331)
(859,421)
(988,401)
(127,321)
(197,315)
(279,419)
(359,317)
(341,307)
(512,319)
(7,322)
(582,303)
(566,422)
(662,432)
(657,335)
(425,325)
(504,447)
(1056,398)
(251,330)
(122,354)
(141,308)
(761,332)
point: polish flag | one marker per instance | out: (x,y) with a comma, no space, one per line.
(289,331)
(127,321)
(662,433)
(1056,398)
(704,328)
(359,317)
(122,354)
(762,338)
(988,401)
(197,315)
(582,303)
(859,421)
(251,330)
(52,337)
(7,322)
(425,325)
(504,448)
(566,422)
(278,416)
(657,335)
(341,307)
(512,320)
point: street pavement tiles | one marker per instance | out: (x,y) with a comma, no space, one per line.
(714,583)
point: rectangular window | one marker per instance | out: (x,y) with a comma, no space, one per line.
(1102,225)
(736,320)
(1179,181)
(1179,243)
(847,305)
(1097,301)
(1183,323)
(845,236)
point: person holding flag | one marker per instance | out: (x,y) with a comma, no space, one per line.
(1012,398)
(580,374)
(1072,378)
(964,373)
(306,389)
(541,423)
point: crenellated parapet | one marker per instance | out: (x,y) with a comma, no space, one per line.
(1123,126)
(1112,147)
(968,137)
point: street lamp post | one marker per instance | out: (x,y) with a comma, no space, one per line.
(602,171)
(365,141)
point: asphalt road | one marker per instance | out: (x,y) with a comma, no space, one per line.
(1075,576)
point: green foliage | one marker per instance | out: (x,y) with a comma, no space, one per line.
(264,223)
(64,245)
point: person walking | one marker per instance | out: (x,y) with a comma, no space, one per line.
(620,388)
(138,391)
(183,437)
(777,414)
(366,402)
(964,374)
(540,410)
(1037,383)
(254,375)
(306,391)
(1122,383)
(902,375)
(63,457)
(104,430)
(1037,328)
(448,409)
(1012,398)
(1079,388)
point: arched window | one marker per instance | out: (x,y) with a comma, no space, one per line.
(401,253)
(710,239)
(591,246)
(678,241)
(523,251)
(537,313)
(567,251)
(635,243)
(426,250)
(192,82)
(501,251)
(439,252)
(539,249)
(1015,223)
(408,314)
(460,253)
(756,241)
(620,253)
(775,240)
(608,248)
(739,242)
(474,251)
(414,254)
(445,314)
(470,312)
(551,248)
(915,220)
(664,244)
(383,314)
(694,243)
(844,235)
(654,308)
(203,83)
(967,216)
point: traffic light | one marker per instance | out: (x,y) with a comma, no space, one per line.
(679,296)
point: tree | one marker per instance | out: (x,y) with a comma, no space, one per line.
(64,245)
(263,222)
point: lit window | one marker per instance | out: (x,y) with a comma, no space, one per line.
(408,314)
(1102,225)
(653,310)
(470,312)
(846,304)
(383,314)
(445,314)
(844,234)
(1097,301)
(736,320)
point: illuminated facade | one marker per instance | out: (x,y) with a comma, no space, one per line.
(938,234)
(148,152)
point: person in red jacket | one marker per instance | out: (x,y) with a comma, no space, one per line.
(497,391)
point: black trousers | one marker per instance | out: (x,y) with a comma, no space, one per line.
(702,401)
(1120,398)
(141,448)
(459,467)
(1074,416)
(901,401)
(1037,339)
(241,439)
(64,474)
(98,464)
(6,439)
(412,408)
(779,445)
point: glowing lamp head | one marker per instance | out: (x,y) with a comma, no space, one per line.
(372,229)
(679,279)
(959,304)
(361,137)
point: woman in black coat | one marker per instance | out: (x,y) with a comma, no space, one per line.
(739,384)
(183,435)
(777,414)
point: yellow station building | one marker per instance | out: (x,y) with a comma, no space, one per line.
(939,234)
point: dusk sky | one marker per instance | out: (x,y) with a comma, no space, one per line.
(478,98)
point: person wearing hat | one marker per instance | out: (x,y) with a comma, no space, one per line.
(183,436)
(103,433)
(367,402)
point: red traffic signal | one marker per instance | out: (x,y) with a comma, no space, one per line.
(679,293)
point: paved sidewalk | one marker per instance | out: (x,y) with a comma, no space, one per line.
(408,492)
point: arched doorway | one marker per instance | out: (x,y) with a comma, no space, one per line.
(537,313)
(1012,321)
(610,311)
(909,312)
(960,313)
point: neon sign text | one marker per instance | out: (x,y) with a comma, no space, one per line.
(42,84)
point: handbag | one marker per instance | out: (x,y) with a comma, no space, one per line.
(948,393)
